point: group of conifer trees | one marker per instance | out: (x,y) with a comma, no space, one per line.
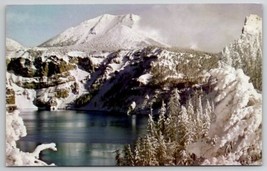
(167,136)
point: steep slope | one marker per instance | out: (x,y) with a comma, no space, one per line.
(235,131)
(107,32)
(246,52)
(104,80)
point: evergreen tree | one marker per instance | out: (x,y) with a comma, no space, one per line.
(128,156)
(138,158)
(118,158)
(191,118)
(161,152)
(206,119)
(161,120)
(149,152)
(174,103)
(172,119)
(166,140)
(151,127)
(187,125)
(199,118)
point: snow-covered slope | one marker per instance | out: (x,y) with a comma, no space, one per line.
(67,77)
(236,128)
(246,52)
(98,81)
(105,32)
(12,45)
(249,45)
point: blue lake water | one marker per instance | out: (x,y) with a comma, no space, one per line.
(82,138)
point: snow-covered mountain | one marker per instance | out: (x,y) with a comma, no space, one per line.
(12,45)
(108,32)
(99,80)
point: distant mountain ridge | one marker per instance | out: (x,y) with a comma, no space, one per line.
(105,32)
(12,44)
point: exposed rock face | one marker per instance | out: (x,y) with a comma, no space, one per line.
(108,80)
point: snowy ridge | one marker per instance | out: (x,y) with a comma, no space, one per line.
(105,32)
(249,45)
(12,45)
(246,52)
(253,25)
(76,73)
(238,119)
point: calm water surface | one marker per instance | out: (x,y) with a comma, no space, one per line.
(82,138)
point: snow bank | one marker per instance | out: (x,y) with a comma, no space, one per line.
(15,129)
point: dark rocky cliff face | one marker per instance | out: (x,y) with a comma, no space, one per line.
(115,82)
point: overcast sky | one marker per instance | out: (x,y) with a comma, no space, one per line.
(203,27)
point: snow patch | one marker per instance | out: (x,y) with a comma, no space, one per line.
(77,54)
(144,79)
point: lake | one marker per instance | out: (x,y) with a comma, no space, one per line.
(83,138)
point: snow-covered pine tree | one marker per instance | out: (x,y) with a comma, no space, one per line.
(174,102)
(173,109)
(237,125)
(161,121)
(182,157)
(149,151)
(199,117)
(138,152)
(118,158)
(161,152)
(128,156)
(206,119)
(191,118)
(151,127)
(182,129)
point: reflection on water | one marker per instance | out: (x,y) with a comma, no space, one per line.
(82,138)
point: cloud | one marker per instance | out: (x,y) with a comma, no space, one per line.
(151,32)
(207,27)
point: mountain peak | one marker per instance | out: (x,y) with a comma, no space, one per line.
(253,24)
(105,32)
